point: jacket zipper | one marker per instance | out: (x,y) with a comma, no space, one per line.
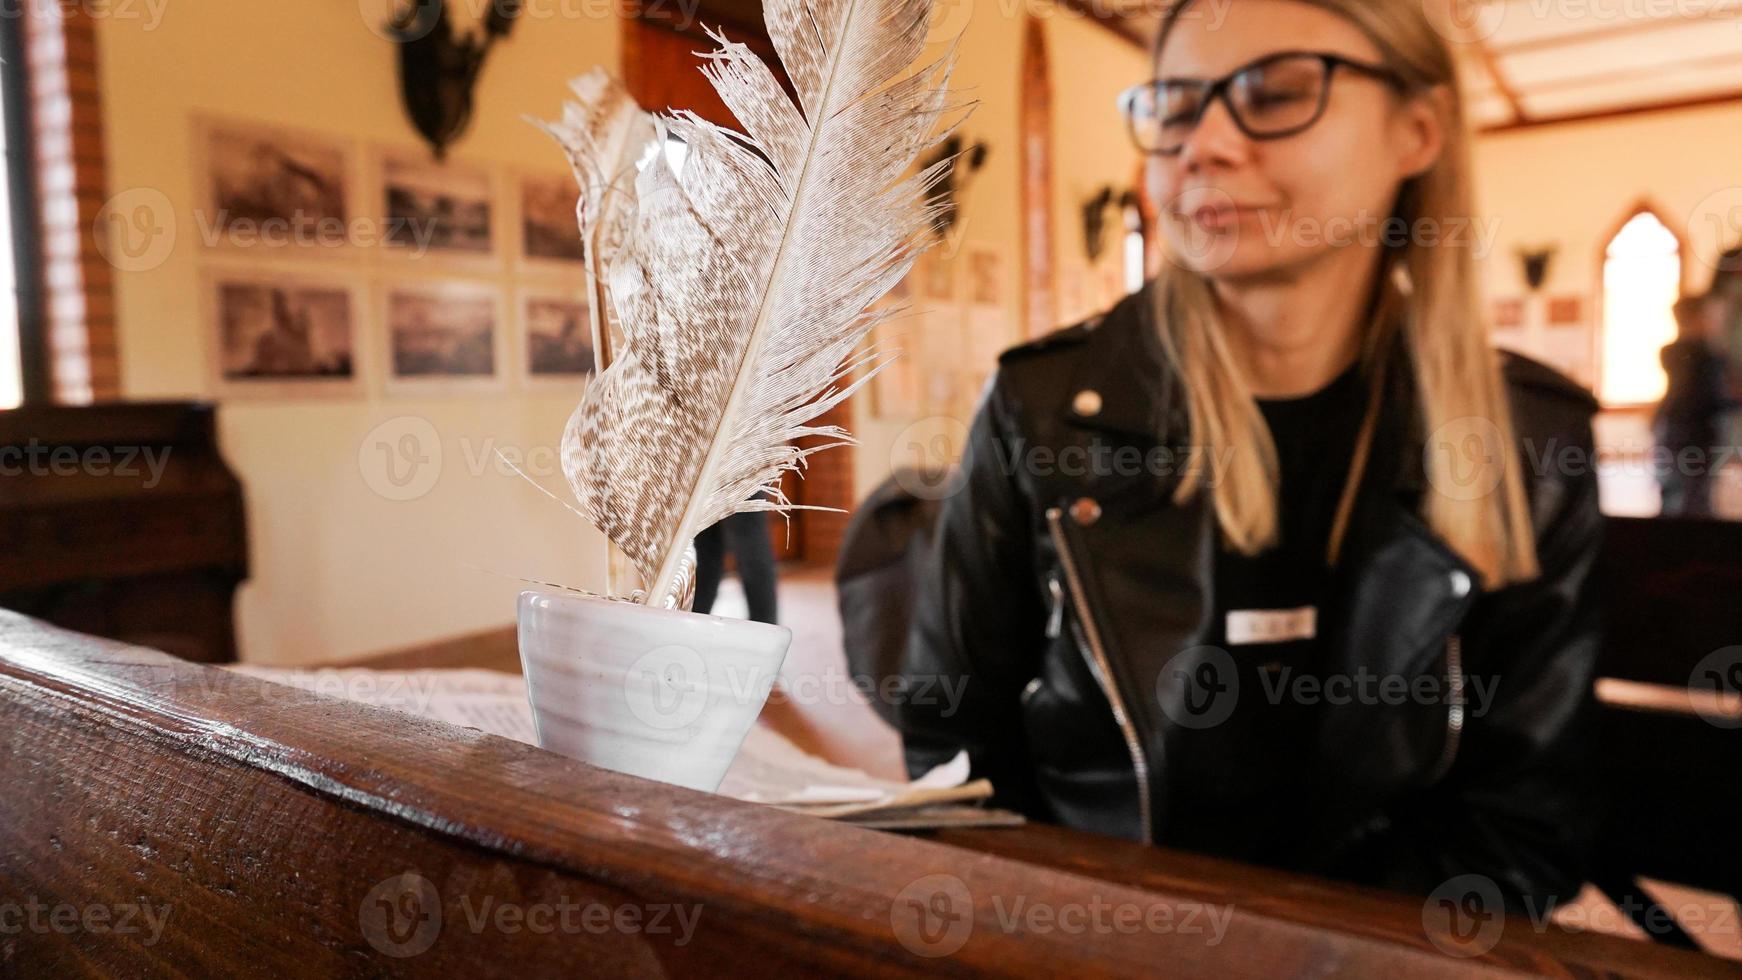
(1088,639)
(1455,707)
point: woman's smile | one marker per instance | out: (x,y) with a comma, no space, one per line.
(1223,217)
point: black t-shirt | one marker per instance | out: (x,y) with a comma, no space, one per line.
(1248,775)
(1315,444)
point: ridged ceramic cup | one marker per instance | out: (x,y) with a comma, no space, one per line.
(655,693)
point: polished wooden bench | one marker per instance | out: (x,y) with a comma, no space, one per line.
(272,832)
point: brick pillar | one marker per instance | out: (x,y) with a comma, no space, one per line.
(66,121)
(828,482)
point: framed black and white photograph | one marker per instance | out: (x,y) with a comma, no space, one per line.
(429,209)
(937,277)
(266,187)
(556,334)
(443,332)
(276,335)
(549,231)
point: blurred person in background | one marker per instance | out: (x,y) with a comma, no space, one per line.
(1727,293)
(745,535)
(1689,424)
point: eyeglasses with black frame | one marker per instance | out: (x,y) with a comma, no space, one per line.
(1278,95)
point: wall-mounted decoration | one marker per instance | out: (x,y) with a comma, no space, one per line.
(556,334)
(895,389)
(1095,222)
(938,277)
(1508,313)
(269,187)
(1566,310)
(1533,264)
(985,276)
(548,231)
(946,197)
(436,209)
(443,333)
(277,335)
(439,66)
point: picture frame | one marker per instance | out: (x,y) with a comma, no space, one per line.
(274,189)
(438,212)
(442,333)
(546,232)
(277,334)
(937,277)
(985,276)
(895,390)
(555,335)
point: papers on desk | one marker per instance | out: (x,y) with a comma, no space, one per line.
(769,769)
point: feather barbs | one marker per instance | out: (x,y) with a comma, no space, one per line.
(745,289)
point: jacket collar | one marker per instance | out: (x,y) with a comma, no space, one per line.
(1124,371)
(1139,395)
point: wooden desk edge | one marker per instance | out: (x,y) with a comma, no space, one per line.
(776,887)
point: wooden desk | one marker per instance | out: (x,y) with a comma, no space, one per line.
(123,520)
(285,834)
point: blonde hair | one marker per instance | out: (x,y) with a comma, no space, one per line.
(1427,292)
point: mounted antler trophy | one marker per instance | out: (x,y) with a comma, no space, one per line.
(438,67)
(1095,217)
(946,198)
(1535,265)
(1095,222)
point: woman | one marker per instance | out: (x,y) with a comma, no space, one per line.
(1277,558)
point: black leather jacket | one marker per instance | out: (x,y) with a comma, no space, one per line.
(1067,599)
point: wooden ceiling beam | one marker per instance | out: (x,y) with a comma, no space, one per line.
(1567,83)
(1619,112)
(1716,15)
(1502,84)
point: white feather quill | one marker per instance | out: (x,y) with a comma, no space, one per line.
(604,134)
(744,288)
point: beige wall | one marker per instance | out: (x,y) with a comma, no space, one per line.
(338,570)
(1089,66)
(989,62)
(1572,185)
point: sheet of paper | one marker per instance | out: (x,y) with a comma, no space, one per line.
(488,700)
(768,769)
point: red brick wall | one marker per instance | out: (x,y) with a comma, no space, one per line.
(61,54)
(828,482)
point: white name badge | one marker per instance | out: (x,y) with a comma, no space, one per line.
(1272,625)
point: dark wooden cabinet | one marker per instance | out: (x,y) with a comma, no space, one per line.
(122,520)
